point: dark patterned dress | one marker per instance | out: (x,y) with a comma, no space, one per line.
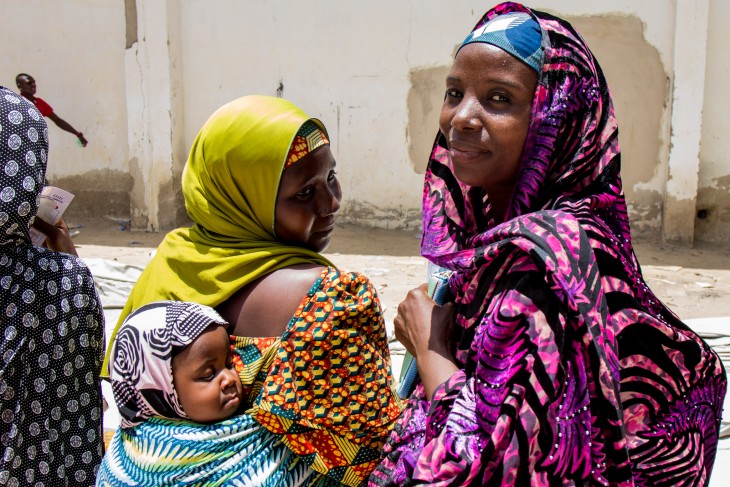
(52,327)
(572,371)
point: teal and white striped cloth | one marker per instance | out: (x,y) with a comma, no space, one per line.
(237,451)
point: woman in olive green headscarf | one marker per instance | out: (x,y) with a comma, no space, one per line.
(261,189)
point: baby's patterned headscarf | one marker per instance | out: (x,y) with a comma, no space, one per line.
(141,365)
(23,152)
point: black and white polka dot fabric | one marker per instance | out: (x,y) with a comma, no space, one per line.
(51,323)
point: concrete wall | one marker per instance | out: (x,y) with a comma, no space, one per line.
(152,71)
(713,199)
(640,89)
(75,51)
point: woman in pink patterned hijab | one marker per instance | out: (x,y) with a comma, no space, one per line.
(555,364)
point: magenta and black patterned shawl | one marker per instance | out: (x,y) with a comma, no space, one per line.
(572,371)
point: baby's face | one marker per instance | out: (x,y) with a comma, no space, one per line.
(207,385)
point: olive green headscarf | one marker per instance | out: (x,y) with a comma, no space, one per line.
(230,183)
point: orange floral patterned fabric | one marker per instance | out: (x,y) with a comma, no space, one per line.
(326,385)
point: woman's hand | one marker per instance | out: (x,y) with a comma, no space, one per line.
(58,237)
(425,329)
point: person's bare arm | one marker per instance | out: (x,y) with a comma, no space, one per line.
(64,125)
(425,329)
(58,238)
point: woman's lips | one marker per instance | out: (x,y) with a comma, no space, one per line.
(466,154)
(325,230)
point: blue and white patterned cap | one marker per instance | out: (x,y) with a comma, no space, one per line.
(517,33)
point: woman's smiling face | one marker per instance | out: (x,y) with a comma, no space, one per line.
(486,115)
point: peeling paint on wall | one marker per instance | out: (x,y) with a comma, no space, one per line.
(425,97)
(640,89)
(645,209)
(389,218)
(101,192)
(712,223)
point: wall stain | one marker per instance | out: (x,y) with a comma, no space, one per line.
(645,211)
(365,214)
(97,193)
(425,97)
(715,201)
(674,223)
(130,17)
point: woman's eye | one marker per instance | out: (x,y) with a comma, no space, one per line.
(453,93)
(332,176)
(499,98)
(305,193)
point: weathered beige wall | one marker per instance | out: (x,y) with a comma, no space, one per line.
(713,200)
(349,67)
(377,82)
(640,90)
(155,113)
(425,97)
(372,71)
(75,51)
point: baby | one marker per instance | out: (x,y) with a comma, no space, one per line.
(174,359)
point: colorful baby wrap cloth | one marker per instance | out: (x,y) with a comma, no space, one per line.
(315,411)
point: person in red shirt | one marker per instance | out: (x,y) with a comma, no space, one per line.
(27,87)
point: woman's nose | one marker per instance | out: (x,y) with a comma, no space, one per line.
(465,114)
(330,204)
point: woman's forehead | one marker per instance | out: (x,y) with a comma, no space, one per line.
(486,64)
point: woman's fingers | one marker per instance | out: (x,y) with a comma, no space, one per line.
(43,226)
(58,237)
(420,324)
